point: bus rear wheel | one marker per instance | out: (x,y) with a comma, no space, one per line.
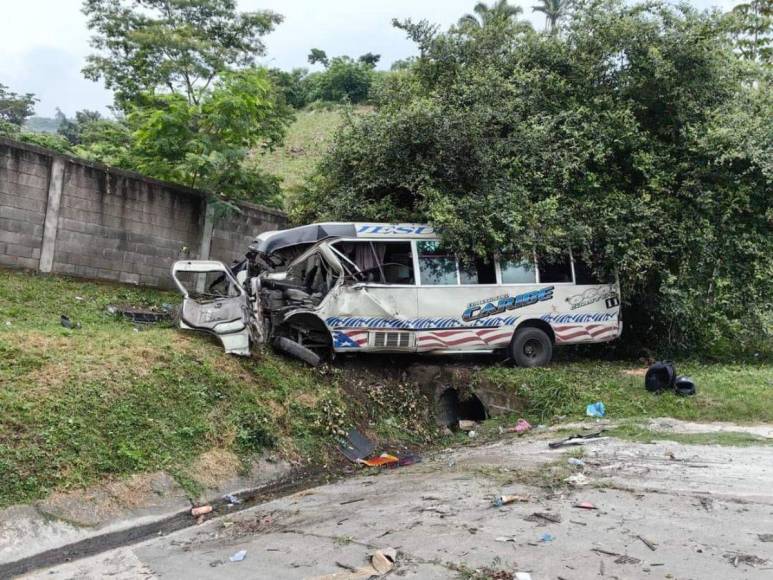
(531,347)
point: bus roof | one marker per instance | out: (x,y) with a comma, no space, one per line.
(269,242)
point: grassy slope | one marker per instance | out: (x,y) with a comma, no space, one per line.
(307,140)
(80,405)
(104,401)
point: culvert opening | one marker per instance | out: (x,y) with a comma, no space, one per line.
(451,408)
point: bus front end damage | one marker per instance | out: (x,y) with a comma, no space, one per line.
(272,296)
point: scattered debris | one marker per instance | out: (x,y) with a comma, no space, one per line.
(660,376)
(356,446)
(383,460)
(576,462)
(605,552)
(684,386)
(505,539)
(348,501)
(577,440)
(201,510)
(381,562)
(137,315)
(596,409)
(522,576)
(585,505)
(502,500)
(232,499)
(547,537)
(65,321)
(467,425)
(472,434)
(651,545)
(707,503)
(578,523)
(577,479)
(543,517)
(640,372)
(765,537)
(238,556)
(623,559)
(408,459)
(747,559)
(521,426)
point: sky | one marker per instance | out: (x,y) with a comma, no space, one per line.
(45,42)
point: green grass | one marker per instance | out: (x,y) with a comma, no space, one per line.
(307,140)
(726,392)
(105,401)
(640,433)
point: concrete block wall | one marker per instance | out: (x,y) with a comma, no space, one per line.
(64,215)
(233,232)
(23,197)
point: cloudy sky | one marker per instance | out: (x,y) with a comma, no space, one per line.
(44,42)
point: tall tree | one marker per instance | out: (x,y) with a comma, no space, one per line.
(15,107)
(553,11)
(172,46)
(317,55)
(752,27)
(370,59)
(499,12)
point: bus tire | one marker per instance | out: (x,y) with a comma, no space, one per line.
(531,347)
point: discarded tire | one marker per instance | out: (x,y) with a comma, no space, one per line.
(531,347)
(684,386)
(660,376)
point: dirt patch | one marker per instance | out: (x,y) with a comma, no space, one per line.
(115,499)
(215,466)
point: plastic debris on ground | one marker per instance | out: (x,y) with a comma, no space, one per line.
(522,576)
(65,321)
(577,440)
(521,426)
(596,409)
(467,425)
(585,505)
(505,539)
(238,556)
(547,537)
(383,460)
(380,562)
(577,479)
(201,510)
(502,500)
(232,499)
(472,434)
(576,462)
(356,446)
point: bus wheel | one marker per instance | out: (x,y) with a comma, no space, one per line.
(531,347)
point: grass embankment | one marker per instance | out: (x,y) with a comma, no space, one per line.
(307,140)
(78,406)
(104,401)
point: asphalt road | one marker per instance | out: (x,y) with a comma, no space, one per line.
(664,510)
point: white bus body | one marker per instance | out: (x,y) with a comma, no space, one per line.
(369,287)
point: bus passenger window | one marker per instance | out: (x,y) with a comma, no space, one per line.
(437,268)
(555,270)
(480,271)
(518,271)
(380,262)
(586,273)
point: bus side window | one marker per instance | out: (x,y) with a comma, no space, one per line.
(585,274)
(436,267)
(517,271)
(479,271)
(380,262)
(555,270)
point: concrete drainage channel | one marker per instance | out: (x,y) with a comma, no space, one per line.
(90,546)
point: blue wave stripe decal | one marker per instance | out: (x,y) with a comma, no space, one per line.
(418,323)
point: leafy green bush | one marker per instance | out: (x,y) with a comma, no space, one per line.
(636,134)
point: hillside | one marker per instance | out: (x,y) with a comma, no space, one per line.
(308,139)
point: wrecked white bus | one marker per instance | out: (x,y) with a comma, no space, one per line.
(366,287)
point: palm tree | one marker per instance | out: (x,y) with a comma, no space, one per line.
(499,11)
(553,11)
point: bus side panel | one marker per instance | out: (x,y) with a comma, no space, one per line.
(583,314)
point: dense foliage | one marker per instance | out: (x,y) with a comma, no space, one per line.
(636,134)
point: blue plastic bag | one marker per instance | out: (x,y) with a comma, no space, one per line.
(596,409)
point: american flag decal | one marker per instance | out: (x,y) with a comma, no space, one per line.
(584,332)
(464,338)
